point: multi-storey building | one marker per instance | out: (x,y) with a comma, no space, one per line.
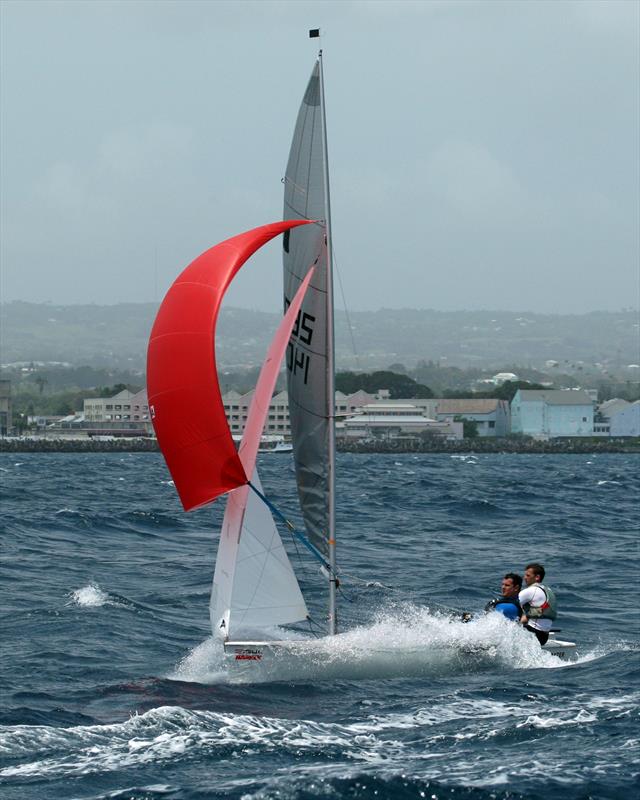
(121,410)
(237,405)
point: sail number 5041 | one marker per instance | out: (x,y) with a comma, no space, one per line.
(301,335)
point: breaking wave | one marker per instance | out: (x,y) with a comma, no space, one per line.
(92,596)
(375,742)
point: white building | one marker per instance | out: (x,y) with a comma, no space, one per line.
(395,421)
(625,421)
(549,413)
(426,407)
(610,407)
(602,419)
(492,417)
(502,377)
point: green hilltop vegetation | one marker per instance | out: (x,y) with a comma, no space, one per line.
(399,385)
(55,356)
(402,386)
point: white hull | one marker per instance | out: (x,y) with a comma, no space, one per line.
(559,647)
(279,448)
(257,650)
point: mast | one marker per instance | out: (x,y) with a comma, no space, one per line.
(331,391)
(310,354)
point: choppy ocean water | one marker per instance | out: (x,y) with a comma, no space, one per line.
(112,688)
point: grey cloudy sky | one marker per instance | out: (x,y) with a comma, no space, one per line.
(483,154)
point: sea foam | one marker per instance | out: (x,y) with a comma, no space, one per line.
(407,641)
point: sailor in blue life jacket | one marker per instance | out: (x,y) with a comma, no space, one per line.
(539,606)
(507,603)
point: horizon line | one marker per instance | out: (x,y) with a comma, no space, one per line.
(93,303)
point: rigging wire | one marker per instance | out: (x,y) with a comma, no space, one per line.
(298,534)
(304,566)
(314,627)
(300,537)
(313,624)
(346,308)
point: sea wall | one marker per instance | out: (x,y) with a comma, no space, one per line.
(50,445)
(508,445)
(480,445)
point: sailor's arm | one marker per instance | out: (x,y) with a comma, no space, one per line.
(524,597)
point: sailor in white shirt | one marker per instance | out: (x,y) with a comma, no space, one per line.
(538,603)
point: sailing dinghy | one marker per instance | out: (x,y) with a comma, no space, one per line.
(254,586)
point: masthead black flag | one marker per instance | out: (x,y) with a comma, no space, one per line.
(314,33)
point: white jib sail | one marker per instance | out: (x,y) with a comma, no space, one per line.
(254,584)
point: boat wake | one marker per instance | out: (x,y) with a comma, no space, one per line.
(405,642)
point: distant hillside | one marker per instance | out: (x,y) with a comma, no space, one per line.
(116,336)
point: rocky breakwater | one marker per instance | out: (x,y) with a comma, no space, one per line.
(507,445)
(41,444)
(434,445)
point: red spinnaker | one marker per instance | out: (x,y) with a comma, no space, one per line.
(182,380)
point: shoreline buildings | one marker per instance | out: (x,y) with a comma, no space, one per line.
(540,414)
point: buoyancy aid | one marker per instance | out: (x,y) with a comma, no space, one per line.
(502,599)
(508,609)
(548,610)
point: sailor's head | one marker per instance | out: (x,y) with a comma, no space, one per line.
(533,573)
(511,584)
